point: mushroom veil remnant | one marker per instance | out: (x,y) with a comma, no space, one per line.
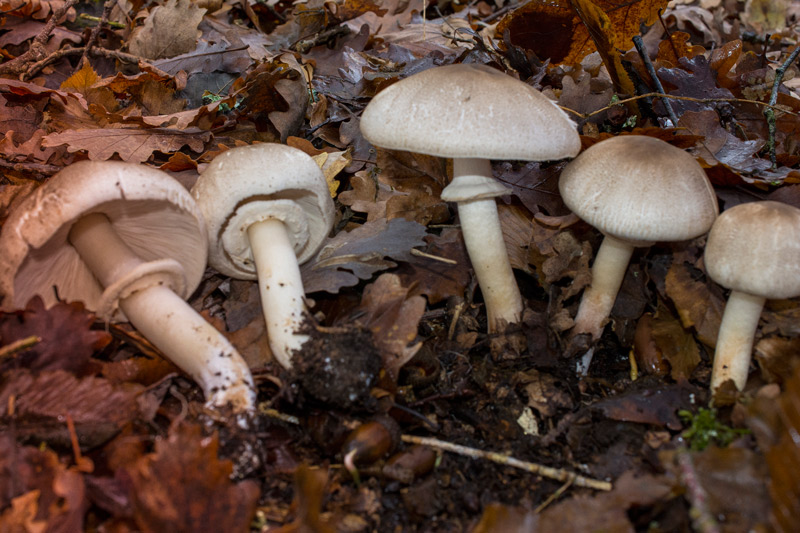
(473,113)
(129,242)
(754,250)
(268,209)
(636,190)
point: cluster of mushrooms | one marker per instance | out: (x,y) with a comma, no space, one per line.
(132,243)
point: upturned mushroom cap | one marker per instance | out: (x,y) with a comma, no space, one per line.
(254,183)
(151,212)
(755,248)
(469,110)
(640,189)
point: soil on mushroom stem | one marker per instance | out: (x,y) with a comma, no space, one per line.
(338,366)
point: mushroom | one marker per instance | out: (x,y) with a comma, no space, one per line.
(754,250)
(636,190)
(268,209)
(473,113)
(130,242)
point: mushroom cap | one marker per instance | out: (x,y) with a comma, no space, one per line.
(640,189)
(469,110)
(755,248)
(150,211)
(252,183)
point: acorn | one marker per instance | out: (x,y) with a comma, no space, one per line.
(370,442)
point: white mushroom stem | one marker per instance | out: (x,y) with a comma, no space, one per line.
(281,287)
(608,271)
(483,236)
(735,339)
(166,320)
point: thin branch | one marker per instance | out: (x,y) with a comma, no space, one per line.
(37,49)
(103,52)
(18,346)
(639,44)
(558,474)
(36,168)
(109,5)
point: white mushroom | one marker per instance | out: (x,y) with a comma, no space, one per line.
(637,190)
(474,113)
(268,209)
(129,242)
(754,250)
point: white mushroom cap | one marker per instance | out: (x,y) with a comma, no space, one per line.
(755,248)
(469,110)
(254,183)
(640,189)
(151,212)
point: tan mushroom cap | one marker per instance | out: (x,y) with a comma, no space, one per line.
(469,110)
(755,248)
(253,183)
(149,210)
(640,189)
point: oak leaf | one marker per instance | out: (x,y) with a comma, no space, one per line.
(168,31)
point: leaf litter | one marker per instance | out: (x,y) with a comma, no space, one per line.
(97,431)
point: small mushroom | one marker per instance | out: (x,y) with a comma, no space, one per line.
(129,242)
(636,190)
(754,250)
(268,209)
(474,113)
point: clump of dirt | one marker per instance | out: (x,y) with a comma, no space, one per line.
(338,366)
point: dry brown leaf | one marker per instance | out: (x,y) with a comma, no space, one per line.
(84,81)
(183,487)
(662,345)
(545,392)
(436,279)
(783,460)
(697,305)
(392,315)
(168,31)
(131,144)
(517,225)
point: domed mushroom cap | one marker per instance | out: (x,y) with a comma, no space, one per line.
(640,189)
(469,110)
(755,248)
(151,212)
(254,183)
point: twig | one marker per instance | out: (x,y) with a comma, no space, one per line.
(545,471)
(37,168)
(98,20)
(36,51)
(553,497)
(92,40)
(103,52)
(676,97)
(769,112)
(702,519)
(12,349)
(420,253)
(639,44)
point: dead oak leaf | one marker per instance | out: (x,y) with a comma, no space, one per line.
(662,345)
(132,145)
(98,407)
(697,306)
(392,314)
(352,256)
(168,31)
(184,487)
(66,338)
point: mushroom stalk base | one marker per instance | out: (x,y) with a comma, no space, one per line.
(483,236)
(735,339)
(166,320)
(608,271)
(281,287)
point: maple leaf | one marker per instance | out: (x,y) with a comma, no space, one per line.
(66,339)
(133,145)
(168,31)
(184,487)
(352,256)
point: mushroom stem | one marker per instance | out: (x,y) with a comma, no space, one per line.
(483,236)
(165,319)
(281,287)
(608,271)
(735,339)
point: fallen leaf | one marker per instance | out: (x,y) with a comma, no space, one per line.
(184,487)
(168,31)
(783,486)
(698,306)
(545,392)
(352,256)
